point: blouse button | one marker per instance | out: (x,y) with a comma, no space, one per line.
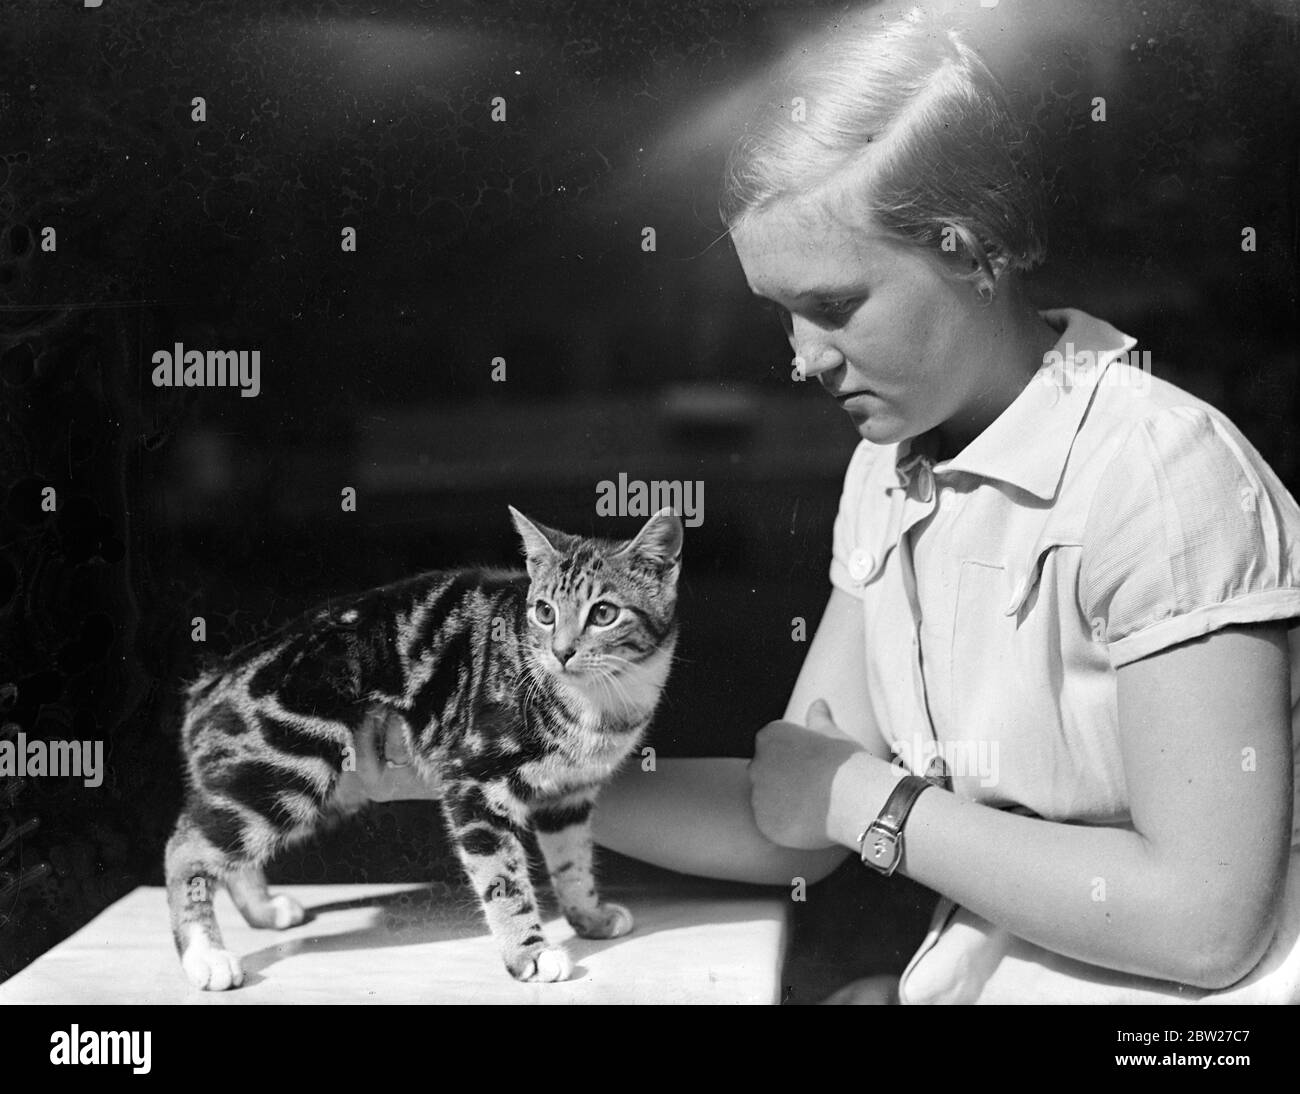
(924,480)
(860,564)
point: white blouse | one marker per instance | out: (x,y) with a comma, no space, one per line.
(1105,515)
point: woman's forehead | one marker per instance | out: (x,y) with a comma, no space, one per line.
(796,256)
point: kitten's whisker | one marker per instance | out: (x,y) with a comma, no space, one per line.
(620,691)
(602,678)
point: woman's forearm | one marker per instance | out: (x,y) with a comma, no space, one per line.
(694,816)
(1100,895)
(690,815)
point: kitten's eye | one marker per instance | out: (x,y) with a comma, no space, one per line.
(544,612)
(602,614)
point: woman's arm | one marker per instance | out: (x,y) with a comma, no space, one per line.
(1192,893)
(695,816)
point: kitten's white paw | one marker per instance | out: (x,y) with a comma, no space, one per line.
(286,912)
(545,967)
(607,921)
(212,969)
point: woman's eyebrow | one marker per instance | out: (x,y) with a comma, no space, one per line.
(815,290)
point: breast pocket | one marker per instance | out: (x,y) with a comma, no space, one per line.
(982,652)
(1006,668)
(1006,610)
(986,687)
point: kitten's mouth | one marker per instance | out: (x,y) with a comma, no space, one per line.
(585,676)
(591,672)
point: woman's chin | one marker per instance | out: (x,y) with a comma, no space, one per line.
(874,426)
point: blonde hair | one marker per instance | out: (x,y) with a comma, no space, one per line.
(914,122)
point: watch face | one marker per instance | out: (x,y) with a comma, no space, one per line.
(881,849)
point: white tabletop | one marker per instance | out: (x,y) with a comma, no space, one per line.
(694,942)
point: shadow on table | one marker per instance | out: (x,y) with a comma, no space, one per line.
(426,914)
(852,925)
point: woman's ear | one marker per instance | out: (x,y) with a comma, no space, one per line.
(985,285)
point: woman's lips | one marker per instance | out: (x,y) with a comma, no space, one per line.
(844,397)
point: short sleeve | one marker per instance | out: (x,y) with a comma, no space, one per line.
(844,539)
(1189,531)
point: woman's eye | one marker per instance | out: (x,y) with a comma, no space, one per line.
(839,310)
(544,612)
(602,615)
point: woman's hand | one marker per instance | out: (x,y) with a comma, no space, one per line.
(383,768)
(793,778)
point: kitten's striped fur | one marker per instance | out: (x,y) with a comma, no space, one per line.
(469,660)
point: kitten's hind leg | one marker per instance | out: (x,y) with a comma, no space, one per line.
(195,867)
(260,909)
(564,836)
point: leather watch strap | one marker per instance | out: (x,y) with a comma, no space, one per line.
(900,801)
(937,772)
(881,841)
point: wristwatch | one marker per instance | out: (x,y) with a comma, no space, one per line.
(882,840)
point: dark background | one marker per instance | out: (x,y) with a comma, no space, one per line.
(519,240)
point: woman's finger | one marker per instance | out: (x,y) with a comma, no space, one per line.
(369,747)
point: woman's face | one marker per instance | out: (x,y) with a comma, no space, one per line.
(902,346)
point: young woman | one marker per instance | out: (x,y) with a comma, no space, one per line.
(1074,584)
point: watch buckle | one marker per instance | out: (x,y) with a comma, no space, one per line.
(880,848)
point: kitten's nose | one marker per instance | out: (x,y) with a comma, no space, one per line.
(563,654)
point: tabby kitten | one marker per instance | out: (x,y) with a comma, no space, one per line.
(520,692)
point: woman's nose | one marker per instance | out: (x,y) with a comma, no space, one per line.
(813,354)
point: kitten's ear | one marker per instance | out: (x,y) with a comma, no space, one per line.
(540,542)
(659,541)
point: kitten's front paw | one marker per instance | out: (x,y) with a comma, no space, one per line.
(285,912)
(211,969)
(607,921)
(542,966)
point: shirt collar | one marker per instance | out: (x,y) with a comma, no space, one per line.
(1028,443)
